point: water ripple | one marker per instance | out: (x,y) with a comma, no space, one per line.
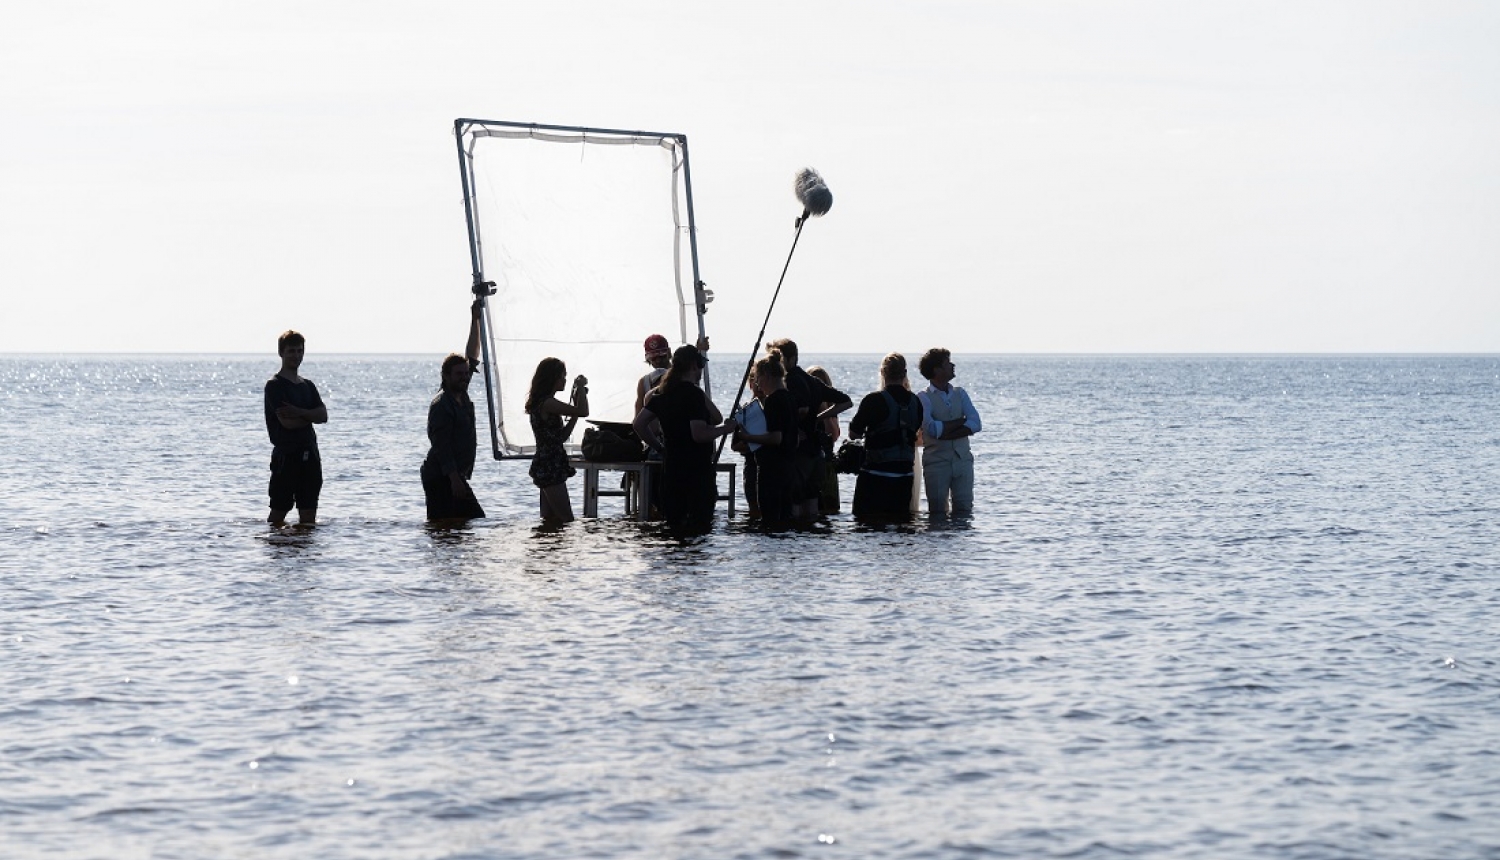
(1209,607)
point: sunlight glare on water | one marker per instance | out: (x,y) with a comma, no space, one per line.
(1208,606)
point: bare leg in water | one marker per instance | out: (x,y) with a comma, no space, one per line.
(556,506)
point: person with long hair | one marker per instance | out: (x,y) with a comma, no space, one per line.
(550,469)
(774,448)
(450,428)
(888,421)
(828,496)
(751,419)
(689,423)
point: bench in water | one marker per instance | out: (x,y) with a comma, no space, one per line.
(636,489)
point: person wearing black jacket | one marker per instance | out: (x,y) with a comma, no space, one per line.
(888,421)
(815,401)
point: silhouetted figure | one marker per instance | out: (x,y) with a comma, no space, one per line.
(450,428)
(293,406)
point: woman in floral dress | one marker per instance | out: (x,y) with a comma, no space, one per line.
(550,469)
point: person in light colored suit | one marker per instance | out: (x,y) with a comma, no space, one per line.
(949,420)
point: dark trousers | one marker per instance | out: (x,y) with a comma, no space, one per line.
(442,504)
(688,494)
(751,477)
(773,485)
(882,497)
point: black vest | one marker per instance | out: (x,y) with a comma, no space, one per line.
(895,440)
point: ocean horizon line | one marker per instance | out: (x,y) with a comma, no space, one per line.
(828,354)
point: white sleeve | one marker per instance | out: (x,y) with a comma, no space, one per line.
(933,430)
(971,415)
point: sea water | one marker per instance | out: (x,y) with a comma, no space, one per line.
(1206,607)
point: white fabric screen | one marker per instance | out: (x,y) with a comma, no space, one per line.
(585,237)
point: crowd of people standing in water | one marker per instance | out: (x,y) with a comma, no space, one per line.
(786,433)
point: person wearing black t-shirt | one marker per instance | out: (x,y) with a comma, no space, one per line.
(689,423)
(449,465)
(293,406)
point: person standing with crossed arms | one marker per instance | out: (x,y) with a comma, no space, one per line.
(947,462)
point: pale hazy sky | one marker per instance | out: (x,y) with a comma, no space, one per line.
(1008,177)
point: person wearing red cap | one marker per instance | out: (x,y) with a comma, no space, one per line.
(659,356)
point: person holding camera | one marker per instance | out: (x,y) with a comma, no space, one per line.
(550,468)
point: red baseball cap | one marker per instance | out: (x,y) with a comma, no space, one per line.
(657,345)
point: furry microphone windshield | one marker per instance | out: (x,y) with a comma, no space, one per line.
(814,195)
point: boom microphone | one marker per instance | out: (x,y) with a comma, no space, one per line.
(813,193)
(816,200)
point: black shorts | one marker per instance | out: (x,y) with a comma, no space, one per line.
(296,480)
